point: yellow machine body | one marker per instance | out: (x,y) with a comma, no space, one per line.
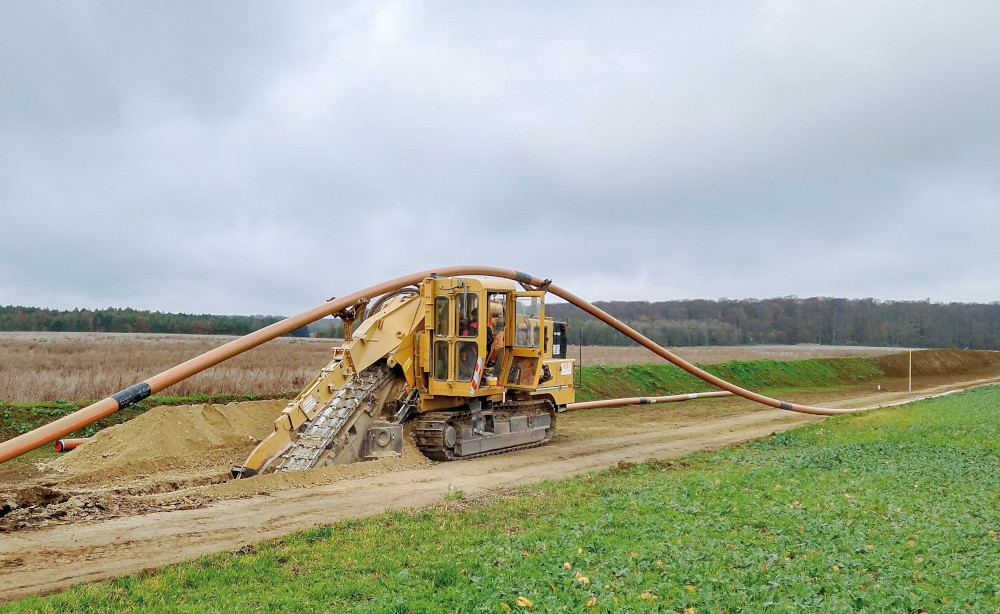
(473,356)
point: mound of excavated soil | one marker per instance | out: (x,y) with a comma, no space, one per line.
(942,363)
(172,438)
(170,458)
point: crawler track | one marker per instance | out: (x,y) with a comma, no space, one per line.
(431,432)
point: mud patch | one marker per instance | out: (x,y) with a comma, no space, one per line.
(30,502)
(41,506)
(29,498)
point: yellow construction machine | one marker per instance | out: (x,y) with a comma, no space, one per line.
(470,366)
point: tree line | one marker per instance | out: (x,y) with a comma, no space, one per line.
(786,320)
(125,320)
(792,320)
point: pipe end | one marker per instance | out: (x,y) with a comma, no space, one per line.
(241,472)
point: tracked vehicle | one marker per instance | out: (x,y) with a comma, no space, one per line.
(473,364)
(467,366)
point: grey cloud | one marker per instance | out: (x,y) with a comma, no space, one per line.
(259,157)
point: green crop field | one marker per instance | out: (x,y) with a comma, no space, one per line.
(896,510)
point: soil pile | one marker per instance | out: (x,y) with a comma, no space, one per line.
(173,438)
(170,458)
(941,363)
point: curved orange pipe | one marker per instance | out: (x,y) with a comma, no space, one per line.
(67,424)
(646,400)
(689,367)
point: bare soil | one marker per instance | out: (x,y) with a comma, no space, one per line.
(155,491)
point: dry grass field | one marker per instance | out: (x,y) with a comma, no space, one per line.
(75,366)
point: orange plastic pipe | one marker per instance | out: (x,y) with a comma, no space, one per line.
(67,424)
(646,400)
(687,366)
(65,445)
(133,394)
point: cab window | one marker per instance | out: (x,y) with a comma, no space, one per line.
(497,311)
(522,371)
(496,305)
(441,316)
(468,356)
(527,320)
(467,314)
(441,360)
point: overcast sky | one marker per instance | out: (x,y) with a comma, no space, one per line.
(259,157)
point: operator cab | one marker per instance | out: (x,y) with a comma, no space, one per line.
(482,337)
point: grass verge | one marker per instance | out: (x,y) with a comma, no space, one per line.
(605,382)
(892,510)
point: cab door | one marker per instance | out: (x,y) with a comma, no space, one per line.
(455,339)
(525,330)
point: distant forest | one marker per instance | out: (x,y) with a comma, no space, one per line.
(789,320)
(111,320)
(792,320)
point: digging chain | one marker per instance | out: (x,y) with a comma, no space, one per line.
(319,433)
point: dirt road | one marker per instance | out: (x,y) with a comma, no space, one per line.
(88,541)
